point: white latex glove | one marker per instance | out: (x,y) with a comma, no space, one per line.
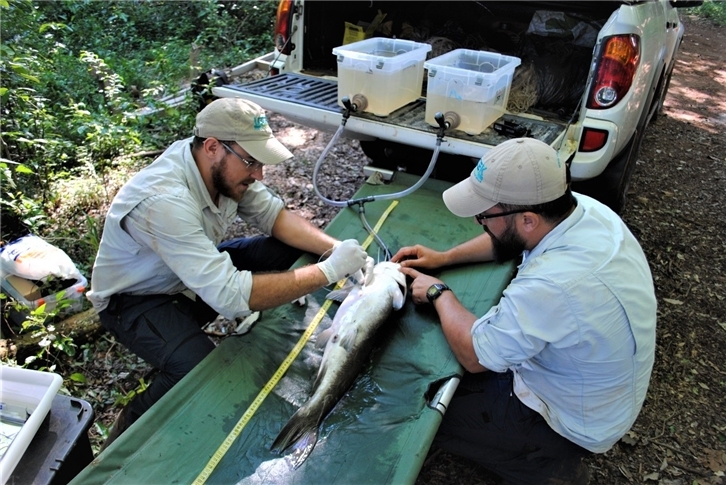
(347,258)
(365,275)
(368,270)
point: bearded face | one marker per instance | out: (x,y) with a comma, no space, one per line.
(221,176)
(509,245)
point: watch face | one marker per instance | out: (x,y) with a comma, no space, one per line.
(434,291)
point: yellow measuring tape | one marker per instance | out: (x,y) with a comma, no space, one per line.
(267,388)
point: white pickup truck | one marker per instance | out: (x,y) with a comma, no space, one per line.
(599,71)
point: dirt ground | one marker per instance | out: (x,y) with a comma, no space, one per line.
(675,208)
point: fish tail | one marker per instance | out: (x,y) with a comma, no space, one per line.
(303,447)
(302,432)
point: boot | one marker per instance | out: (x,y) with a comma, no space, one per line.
(579,476)
(119,426)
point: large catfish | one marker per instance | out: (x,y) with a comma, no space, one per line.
(348,344)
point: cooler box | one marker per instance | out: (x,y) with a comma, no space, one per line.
(388,72)
(473,84)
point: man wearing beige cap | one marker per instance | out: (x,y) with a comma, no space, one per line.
(559,368)
(162,270)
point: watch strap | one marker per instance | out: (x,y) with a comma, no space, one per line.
(436,290)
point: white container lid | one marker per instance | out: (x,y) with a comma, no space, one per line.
(466,62)
(29,390)
(382,53)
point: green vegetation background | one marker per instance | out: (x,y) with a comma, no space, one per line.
(74,72)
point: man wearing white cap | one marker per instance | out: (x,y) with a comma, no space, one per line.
(559,368)
(162,270)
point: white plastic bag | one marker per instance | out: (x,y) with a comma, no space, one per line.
(32,258)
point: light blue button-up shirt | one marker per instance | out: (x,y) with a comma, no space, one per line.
(162,231)
(577,327)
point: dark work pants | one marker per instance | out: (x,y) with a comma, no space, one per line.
(165,330)
(487,423)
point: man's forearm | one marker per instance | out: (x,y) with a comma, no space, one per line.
(273,289)
(456,323)
(298,232)
(475,250)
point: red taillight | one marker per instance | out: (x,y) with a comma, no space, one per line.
(615,71)
(282,26)
(592,139)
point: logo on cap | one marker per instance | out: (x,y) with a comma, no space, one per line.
(479,170)
(260,121)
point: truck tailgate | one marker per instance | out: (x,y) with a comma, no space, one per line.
(313,101)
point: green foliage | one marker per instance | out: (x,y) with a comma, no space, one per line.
(52,344)
(123,399)
(715,10)
(73,73)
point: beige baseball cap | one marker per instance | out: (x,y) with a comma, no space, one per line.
(522,171)
(239,120)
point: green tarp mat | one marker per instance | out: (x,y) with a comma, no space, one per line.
(378,433)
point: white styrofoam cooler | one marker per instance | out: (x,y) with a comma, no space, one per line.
(388,72)
(473,84)
(23,392)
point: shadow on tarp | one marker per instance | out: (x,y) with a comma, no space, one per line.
(381,430)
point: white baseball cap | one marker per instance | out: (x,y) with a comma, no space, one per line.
(244,122)
(522,171)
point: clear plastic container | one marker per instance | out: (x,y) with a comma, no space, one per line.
(388,72)
(25,292)
(473,84)
(26,398)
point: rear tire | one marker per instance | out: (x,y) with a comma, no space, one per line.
(611,186)
(662,92)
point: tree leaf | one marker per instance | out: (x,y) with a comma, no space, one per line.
(78,377)
(23,169)
(672,301)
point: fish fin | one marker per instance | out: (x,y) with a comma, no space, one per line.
(319,376)
(299,423)
(339,295)
(300,432)
(399,298)
(303,447)
(322,339)
(347,339)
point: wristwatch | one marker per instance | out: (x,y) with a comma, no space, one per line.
(435,291)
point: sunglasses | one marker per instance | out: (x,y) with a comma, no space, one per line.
(482,218)
(251,166)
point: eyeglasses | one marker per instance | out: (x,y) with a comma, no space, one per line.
(482,218)
(251,166)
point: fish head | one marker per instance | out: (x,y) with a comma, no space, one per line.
(392,270)
(387,269)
